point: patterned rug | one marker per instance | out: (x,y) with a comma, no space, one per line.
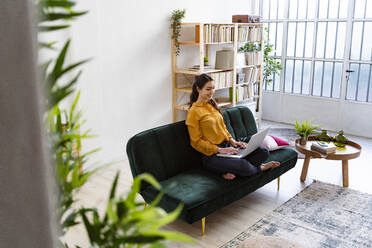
(321,216)
(287,134)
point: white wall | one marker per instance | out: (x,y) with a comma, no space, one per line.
(331,114)
(127,87)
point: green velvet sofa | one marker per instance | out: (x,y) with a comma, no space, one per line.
(165,152)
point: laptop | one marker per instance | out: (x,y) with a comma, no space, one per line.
(255,142)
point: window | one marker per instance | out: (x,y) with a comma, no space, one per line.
(322,46)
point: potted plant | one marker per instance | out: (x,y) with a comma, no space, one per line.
(177,16)
(250,51)
(304,130)
(206,60)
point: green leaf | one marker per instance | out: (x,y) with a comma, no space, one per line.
(56,73)
(113,187)
(169,217)
(158,245)
(56,3)
(47,45)
(75,177)
(70,220)
(52,28)
(69,68)
(88,226)
(111,213)
(58,16)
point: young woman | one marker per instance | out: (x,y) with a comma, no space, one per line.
(209,136)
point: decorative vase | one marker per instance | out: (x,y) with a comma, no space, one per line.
(303,140)
(340,140)
(323,136)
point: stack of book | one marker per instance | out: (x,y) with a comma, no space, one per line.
(252,75)
(215,33)
(222,79)
(323,147)
(246,34)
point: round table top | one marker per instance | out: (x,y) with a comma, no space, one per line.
(350,151)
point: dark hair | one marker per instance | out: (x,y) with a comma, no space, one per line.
(200,82)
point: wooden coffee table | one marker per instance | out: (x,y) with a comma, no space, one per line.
(351,150)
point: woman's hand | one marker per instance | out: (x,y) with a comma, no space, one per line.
(237,144)
(227,150)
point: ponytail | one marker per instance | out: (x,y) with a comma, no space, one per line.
(200,81)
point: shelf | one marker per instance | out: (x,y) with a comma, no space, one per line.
(223,104)
(184,89)
(250,24)
(248,66)
(221,23)
(185,71)
(248,41)
(192,43)
(243,84)
(217,43)
(189,89)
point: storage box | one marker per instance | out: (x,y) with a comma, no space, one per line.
(224,59)
(245,19)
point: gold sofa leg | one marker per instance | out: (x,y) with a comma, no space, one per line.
(203,226)
(278,183)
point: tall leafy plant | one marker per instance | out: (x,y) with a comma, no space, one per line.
(63,126)
(271,65)
(124,223)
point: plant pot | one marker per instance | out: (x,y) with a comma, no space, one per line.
(303,140)
(250,58)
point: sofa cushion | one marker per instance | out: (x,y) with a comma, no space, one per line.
(203,192)
(241,120)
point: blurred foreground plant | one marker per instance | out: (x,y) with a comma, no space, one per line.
(125,223)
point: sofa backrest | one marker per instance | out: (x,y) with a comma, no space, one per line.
(162,151)
(166,151)
(240,122)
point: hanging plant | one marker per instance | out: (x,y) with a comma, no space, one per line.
(177,16)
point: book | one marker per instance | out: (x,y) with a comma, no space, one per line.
(323,147)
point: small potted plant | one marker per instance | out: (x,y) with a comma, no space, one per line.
(304,130)
(206,61)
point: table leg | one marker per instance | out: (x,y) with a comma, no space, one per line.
(305,167)
(345,173)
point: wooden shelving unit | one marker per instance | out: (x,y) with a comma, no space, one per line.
(205,33)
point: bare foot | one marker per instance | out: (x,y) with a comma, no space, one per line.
(269,165)
(228,176)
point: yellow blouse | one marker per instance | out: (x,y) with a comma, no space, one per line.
(206,128)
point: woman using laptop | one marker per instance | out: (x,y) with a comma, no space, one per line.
(209,136)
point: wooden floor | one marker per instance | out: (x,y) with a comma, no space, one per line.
(228,222)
